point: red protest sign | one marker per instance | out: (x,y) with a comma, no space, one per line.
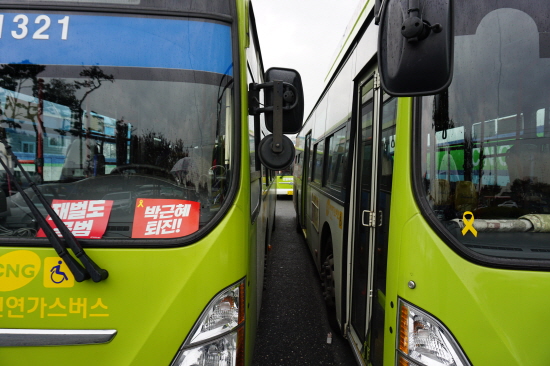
(165,218)
(86,219)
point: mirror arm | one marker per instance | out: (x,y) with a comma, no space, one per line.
(253,99)
(277,146)
(277,108)
(378,6)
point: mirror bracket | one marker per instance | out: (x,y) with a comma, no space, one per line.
(415,28)
(284,99)
(288,93)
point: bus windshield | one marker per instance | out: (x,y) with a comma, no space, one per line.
(124,141)
(486,140)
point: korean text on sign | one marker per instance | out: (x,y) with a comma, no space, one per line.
(27,307)
(86,219)
(165,218)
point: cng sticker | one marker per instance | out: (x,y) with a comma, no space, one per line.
(56,273)
(17,269)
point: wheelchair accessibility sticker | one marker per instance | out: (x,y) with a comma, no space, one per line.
(56,273)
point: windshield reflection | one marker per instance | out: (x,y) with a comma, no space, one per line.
(120,134)
(486,147)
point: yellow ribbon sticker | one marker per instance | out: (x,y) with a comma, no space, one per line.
(140,203)
(468,224)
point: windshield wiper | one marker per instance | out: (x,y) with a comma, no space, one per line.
(80,274)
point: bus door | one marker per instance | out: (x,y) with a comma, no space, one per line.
(305,181)
(376,142)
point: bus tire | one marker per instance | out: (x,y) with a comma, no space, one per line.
(328,283)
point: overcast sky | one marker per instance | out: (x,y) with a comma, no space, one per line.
(303,35)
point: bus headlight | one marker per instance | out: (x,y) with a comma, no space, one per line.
(217,339)
(424,341)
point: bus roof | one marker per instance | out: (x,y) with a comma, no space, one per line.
(357,19)
(353,28)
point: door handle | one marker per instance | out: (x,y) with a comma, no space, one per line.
(371,219)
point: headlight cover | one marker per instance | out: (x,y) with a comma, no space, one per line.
(425,341)
(217,339)
(219,352)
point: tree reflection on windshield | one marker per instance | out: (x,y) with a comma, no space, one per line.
(111,133)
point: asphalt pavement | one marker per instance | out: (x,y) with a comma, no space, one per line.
(293,325)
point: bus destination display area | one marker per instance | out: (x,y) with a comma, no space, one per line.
(123,123)
(486,140)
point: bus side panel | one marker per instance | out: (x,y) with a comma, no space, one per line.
(262,196)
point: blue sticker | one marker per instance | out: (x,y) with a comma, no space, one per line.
(58,39)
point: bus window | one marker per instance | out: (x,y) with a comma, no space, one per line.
(337,155)
(486,145)
(318,156)
(327,163)
(83,123)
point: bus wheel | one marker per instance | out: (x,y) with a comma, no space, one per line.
(327,276)
(329,293)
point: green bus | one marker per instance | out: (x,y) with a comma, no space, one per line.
(285,179)
(135,211)
(423,183)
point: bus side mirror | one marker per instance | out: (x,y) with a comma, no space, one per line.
(293,99)
(415,46)
(284,112)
